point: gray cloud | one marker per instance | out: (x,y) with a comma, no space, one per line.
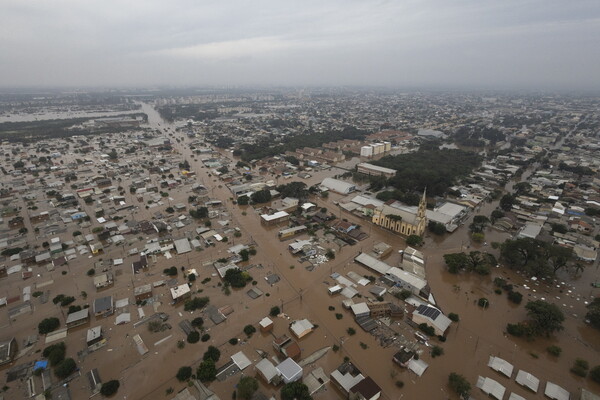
(471,43)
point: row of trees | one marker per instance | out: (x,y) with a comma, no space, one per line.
(534,257)
(474,261)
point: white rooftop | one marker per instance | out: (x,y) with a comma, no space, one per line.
(555,392)
(500,365)
(529,381)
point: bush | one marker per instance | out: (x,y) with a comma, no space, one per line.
(170,271)
(338,316)
(400,384)
(275,311)
(554,350)
(65,368)
(233,341)
(109,388)
(249,330)
(351,331)
(498,291)
(459,384)
(91,272)
(483,302)
(184,374)
(436,351)
(205,337)
(515,297)
(580,367)
(295,391)
(453,317)
(193,337)
(429,330)
(48,325)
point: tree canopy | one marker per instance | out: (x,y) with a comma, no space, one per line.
(431,168)
(593,314)
(262,196)
(246,387)
(534,257)
(295,391)
(459,384)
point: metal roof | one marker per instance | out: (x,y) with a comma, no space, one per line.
(529,381)
(491,387)
(500,365)
(555,392)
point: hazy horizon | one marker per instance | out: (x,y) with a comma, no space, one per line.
(508,45)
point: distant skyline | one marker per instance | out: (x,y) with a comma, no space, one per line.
(470,44)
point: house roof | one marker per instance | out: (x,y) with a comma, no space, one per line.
(240,360)
(556,392)
(529,381)
(367,387)
(435,316)
(500,365)
(289,369)
(491,387)
(78,315)
(266,367)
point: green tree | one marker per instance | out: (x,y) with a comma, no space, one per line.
(436,228)
(595,374)
(55,353)
(262,196)
(295,391)
(544,318)
(275,311)
(65,368)
(243,200)
(414,240)
(249,330)
(212,353)
(193,337)
(110,388)
(184,373)
(245,254)
(48,325)
(246,387)
(459,384)
(207,372)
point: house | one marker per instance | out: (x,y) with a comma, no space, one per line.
(301,328)
(266,325)
(103,306)
(366,389)
(142,293)
(345,377)
(433,317)
(94,335)
(8,350)
(289,370)
(267,371)
(275,218)
(403,357)
(287,347)
(180,293)
(77,318)
(103,280)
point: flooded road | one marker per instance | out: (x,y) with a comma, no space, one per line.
(303,293)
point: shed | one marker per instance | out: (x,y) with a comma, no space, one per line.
(180,292)
(143,292)
(417,366)
(366,389)
(94,335)
(514,396)
(266,325)
(529,381)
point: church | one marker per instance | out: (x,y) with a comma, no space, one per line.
(402,219)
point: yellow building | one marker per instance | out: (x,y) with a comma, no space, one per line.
(402,219)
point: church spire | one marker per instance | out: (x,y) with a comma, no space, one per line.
(423,205)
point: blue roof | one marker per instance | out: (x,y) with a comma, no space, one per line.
(40,365)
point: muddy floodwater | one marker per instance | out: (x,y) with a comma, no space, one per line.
(303,294)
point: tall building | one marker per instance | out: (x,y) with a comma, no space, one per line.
(402,219)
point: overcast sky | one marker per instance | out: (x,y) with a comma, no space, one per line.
(417,43)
